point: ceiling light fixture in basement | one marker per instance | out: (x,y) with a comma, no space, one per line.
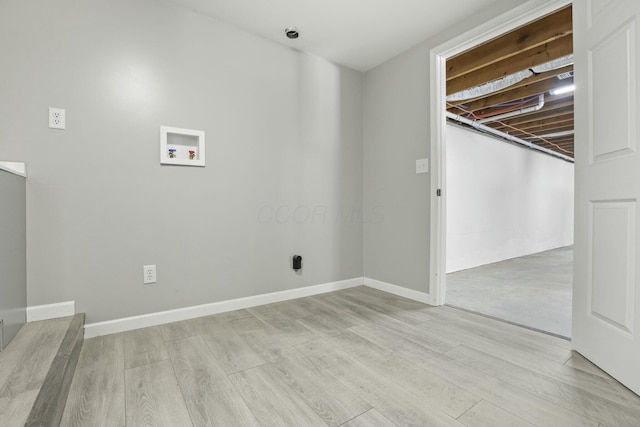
(563,89)
(292,32)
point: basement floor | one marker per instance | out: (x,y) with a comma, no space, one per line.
(534,290)
(352,358)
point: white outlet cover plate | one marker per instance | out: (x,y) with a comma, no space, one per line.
(57,118)
(422,166)
(149,274)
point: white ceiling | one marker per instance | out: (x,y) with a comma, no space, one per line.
(360,34)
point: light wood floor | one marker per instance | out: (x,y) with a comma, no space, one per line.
(24,365)
(351,358)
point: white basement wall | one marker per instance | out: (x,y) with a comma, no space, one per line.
(503,200)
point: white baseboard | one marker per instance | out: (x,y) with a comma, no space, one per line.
(159,318)
(50,311)
(398,290)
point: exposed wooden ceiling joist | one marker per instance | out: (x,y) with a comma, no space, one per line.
(522,92)
(565,149)
(561,118)
(523,61)
(565,143)
(527,47)
(535,34)
(549,111)
(529,81)
(507,125)
(544,130)
(542,134)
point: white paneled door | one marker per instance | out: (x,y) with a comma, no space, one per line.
(606,305)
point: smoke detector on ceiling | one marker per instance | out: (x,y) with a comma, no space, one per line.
(292,32)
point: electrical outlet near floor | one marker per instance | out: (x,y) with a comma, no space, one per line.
(149,274)
(57,118)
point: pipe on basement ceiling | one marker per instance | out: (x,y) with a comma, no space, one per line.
(558,134)
(484,128)
(516,112)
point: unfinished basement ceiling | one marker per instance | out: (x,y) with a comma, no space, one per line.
(531,62)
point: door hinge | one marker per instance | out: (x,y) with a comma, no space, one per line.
(438,192)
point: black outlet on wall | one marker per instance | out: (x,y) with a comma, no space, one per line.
(297,262)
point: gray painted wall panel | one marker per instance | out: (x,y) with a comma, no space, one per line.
(397,132)
(284,157)
(13,254)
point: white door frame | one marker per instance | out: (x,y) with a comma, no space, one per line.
(493,28)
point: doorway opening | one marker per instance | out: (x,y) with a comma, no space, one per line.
(503,151)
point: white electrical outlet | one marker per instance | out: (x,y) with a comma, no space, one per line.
(149,272)
(57,118)
(422,165)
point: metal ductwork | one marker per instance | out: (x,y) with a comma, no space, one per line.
(510,80)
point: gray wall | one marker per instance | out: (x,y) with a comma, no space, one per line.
(13,255)
(397,132)
(284,157)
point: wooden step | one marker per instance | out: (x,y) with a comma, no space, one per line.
(36,371)
(49,405)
